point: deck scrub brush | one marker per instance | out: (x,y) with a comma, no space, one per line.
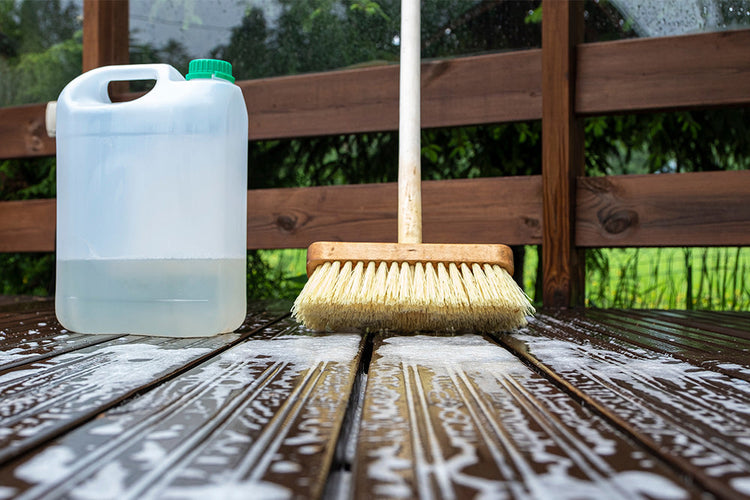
(410,286)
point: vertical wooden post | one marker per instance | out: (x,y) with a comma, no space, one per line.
(105,33)
(562,153)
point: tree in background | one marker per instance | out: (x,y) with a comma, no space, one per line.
(38,56)
(40,51)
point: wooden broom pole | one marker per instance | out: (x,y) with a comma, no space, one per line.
(409,127)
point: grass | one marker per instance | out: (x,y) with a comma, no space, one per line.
(655,278)
(284,270)
(670,278)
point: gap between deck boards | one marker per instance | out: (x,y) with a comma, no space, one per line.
(339,476)
(339,481)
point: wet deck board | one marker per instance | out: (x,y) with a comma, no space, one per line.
(684,398)
(45,397)
(461,417)
(579,404)
(259,420)
(31,334)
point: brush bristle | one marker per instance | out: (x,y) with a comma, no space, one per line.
(411,297)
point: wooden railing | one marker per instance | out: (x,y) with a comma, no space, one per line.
(562,210)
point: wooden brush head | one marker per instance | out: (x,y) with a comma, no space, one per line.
(329,251)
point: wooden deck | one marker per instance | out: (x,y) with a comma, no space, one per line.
(580,404)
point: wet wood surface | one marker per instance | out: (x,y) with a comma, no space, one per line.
(676,382)
(461,417)
(578,404)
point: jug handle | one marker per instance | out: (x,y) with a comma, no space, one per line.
(93,84)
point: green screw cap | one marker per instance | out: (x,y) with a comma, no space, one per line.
(208,68)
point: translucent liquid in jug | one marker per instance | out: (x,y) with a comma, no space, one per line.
(171,297)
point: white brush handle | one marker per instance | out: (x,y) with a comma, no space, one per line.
(409,128)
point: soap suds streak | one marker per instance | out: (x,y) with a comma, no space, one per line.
(163,472)
(240,401)
(64,388)
(675,404)
(120,433)
(476,400)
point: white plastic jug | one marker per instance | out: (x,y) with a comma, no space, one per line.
(151,203)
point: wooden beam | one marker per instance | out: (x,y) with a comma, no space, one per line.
(695,209)
(710,69)
(562,153)
(472,90)
(461,91)
(105,33)
(27,226)
(23,133)
(692,209)
(454,211)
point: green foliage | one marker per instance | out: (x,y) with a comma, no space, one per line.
(370,8)
(669,278)
(285,274)
(310,36)
(27,179)
(40,51)
(40,77)
(33,26)
(668,142)
(275,274)
(27,274)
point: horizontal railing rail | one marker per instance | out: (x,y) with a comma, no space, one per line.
(695,209)
(681,72)
(639,75)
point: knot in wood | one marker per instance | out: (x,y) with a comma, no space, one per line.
(36,130)
(286,222)
(531,222)
(618,221)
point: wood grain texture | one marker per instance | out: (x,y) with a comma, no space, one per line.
(655,389)
(105,33)
(702,208)
(591,403)
(460,417)
(710,69)
(562,153)
(42,398)
(29,333)
(497,210)
(705,338)
(491,210)
(23,132)
(27,226)
(461,91)
(259,420)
